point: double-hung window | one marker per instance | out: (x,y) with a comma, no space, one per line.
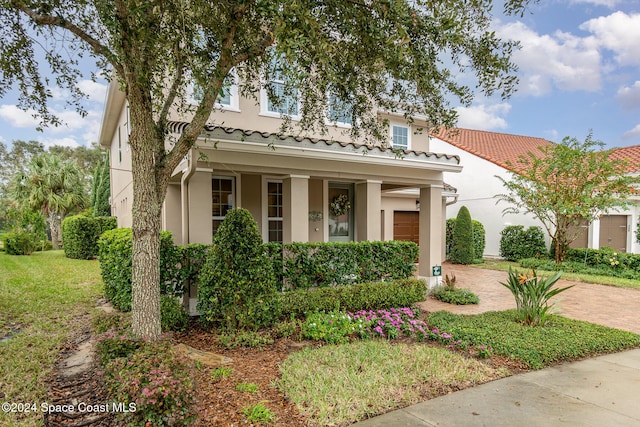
(227,98)
(278,98)
(340,112)
(400,137)
(274,211)
(222,199)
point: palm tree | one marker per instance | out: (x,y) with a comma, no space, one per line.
(52,185)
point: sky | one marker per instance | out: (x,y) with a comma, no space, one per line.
(579,72)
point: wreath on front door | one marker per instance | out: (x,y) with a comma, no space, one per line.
(340,205)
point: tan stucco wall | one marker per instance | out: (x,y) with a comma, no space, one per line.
(391,204)
(121,185)
(172,213)
(252,190)
(200,227)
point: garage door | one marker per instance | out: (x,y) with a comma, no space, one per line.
(582,231)
(613,232)
(406,226)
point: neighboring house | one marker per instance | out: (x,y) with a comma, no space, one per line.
(486,155)
(289,183)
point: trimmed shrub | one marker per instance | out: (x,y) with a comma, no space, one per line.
(236,275)
(79,236)
(479,240)
(517,243)
(362,296)
(306,265)
(115,252)
(462,250)
(19,243)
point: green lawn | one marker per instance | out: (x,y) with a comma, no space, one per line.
(40,294)
(580,277)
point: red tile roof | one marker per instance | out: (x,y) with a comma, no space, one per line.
(631,154)
(498,148)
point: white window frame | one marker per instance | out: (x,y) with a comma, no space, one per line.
(391,132)
(264,101)
(234,197)
(267,218)
(234,97)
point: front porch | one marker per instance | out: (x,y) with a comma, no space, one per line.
(289,186)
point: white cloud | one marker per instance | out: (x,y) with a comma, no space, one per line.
(560,60)
(96,92)
(629,97)
(17,117)
(483,117)
(618,32)
(633,133)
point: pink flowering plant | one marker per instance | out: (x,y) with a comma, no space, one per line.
(158,380)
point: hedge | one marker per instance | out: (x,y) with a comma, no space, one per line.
(307,265)
(80,235)
(516,243)
(115,253)
(479,237)
(462,251)
(361,296)
(604,257)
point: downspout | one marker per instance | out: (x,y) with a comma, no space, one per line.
(455,200)
(184,195)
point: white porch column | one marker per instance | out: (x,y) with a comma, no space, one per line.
(368,205)
(593,234)
(295,206)
(431,235)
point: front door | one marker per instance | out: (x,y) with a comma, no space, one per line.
(340,212)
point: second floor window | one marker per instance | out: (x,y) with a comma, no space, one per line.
(400,137)
(228,96)
(339,111)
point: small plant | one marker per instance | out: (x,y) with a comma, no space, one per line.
(484,351)
(221,372)
(288,329)
(247,387)
(173,315)
(244,339)
(333,327)
(450,282)
(113,345)
(532,294)
(452,295)
(392,323)
(258,413)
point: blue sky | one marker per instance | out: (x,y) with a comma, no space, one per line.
(579,70)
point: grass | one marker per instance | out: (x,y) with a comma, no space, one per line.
(339,385)
(559,340)
(258,413)
(40,294)
(247,387)
(581,277)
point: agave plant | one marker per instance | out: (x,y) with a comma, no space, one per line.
(532,294)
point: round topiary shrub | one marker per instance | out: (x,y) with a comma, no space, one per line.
(462,250)
(236,275)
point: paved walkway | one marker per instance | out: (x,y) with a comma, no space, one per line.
(602,391)
(604,305)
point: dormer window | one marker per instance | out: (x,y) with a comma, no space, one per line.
(400,137)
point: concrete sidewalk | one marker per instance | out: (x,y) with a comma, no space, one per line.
(603,391)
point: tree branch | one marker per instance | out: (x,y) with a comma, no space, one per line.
(61,22)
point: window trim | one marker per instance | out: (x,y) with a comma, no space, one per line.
(234,197)
(274,218)
(391,129)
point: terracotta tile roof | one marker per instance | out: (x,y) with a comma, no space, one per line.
(498,148)
(631,154)
(178,127)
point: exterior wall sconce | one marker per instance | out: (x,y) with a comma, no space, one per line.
(418,204)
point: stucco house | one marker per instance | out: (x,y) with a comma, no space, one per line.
(289,183)
(486,155)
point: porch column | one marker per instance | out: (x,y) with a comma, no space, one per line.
(431,235)
(367,209)
(295,206)
(593,234)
